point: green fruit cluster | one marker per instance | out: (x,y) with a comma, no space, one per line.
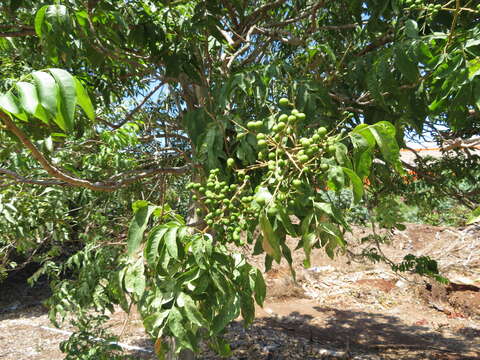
(290,173)
(431,8)
(227,206)
(293,165)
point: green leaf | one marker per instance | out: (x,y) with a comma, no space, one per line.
(411,29)
(229,312)
(152,244)
(175,325)
(341,154)
(202,249)
(171,242)
(47,91)
(137,228)
(135,278)
(474,216)
(407,67)
(473,68)
(357,186)
(331,237)
(282,215)
(8,102)
(155,321)
(336,179)
(384,133)
(28,97)
(39,19)
(68,98)
(308,240)
(248,309)
(324,207)
(84,100)
(260,288)
(192,312)
(270,241)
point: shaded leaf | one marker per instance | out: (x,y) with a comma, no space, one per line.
(357,185)
(260,288)
(270,241)
(137,228)
(171,242)
(28,97)
(84,100)
(68,98)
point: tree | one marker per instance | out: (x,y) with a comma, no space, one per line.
(244,97)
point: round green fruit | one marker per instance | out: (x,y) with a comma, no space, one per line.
(297,183)
(295,112)
(241,136)
(251,125)
(272,156)
(324,167)
(260,136)
(292,118)
(304,158)
(301,116)
(230,162)
(322,131)
(272,211)
(258,124)
(260,200)
(283,118)
(304,142)
(283,102)
(262,143)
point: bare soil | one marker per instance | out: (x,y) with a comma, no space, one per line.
(337,309)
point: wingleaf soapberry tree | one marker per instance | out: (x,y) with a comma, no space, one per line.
(269,106)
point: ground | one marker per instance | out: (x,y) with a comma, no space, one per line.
(337,309)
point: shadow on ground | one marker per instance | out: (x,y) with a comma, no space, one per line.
(372,333)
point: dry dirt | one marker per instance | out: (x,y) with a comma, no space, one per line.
(337,309)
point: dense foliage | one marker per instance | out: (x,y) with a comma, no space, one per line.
(273,109)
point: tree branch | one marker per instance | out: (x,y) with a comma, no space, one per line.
(69,179)
(19,33)
(138,107)
(303,15)
(376,44)
(251,18)
(21,179)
